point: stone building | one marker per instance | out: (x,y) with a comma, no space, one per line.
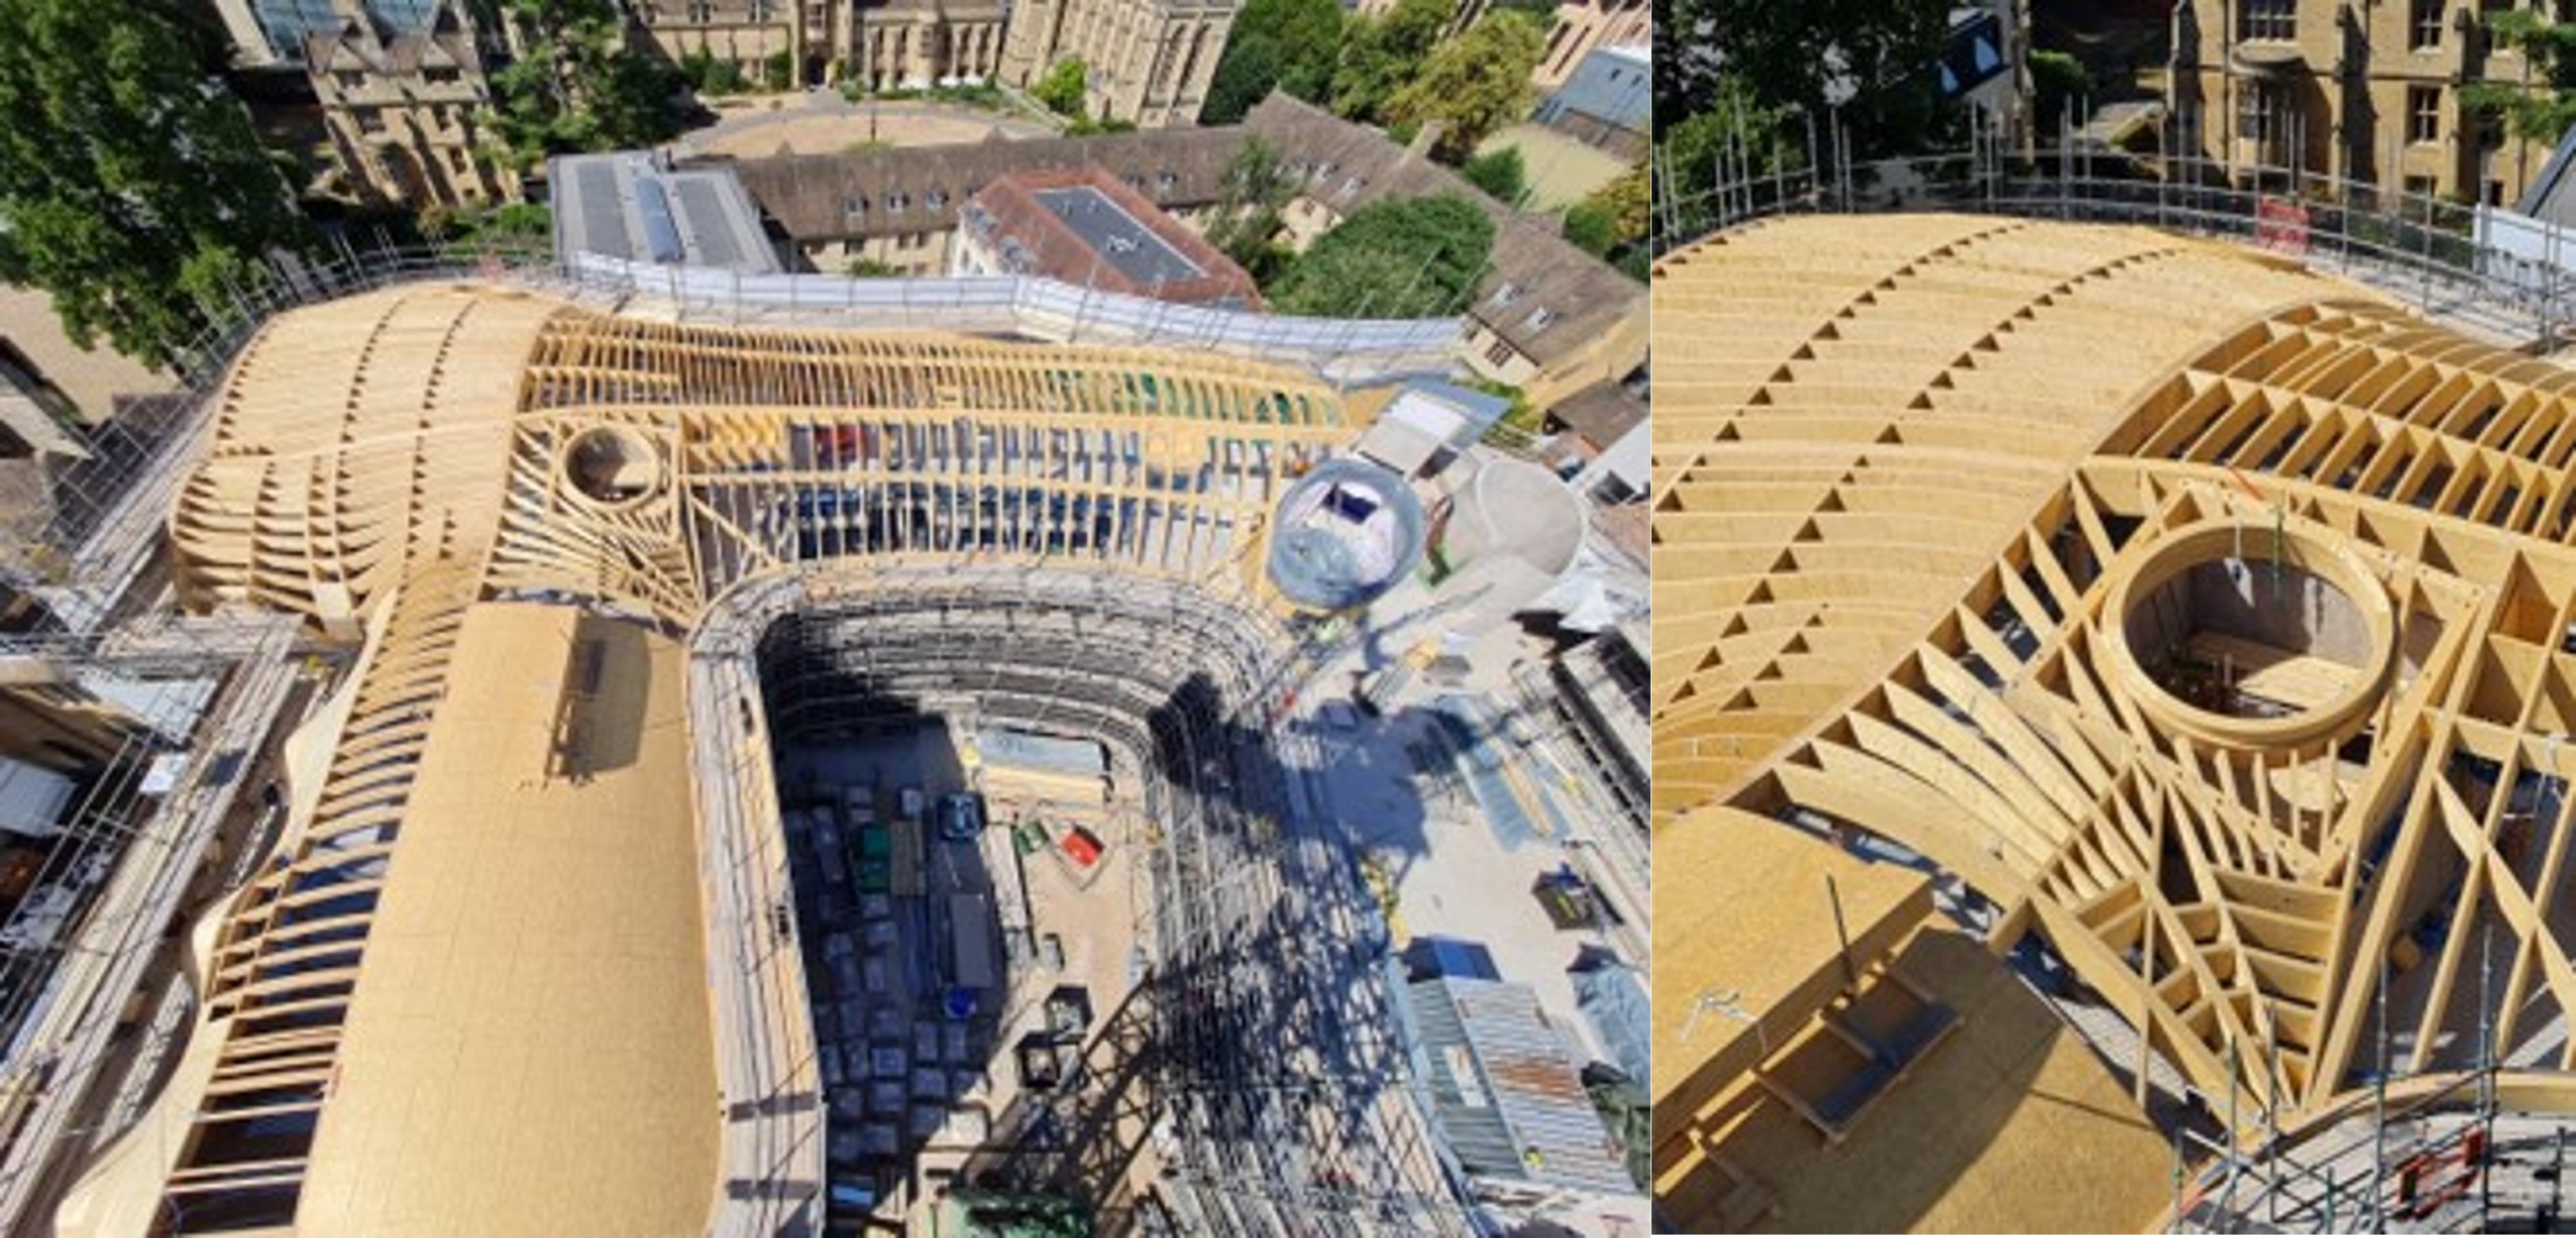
(1547,317)
(1581,26)
(884,44)
(2363,92)
(1145,61)
(400,107)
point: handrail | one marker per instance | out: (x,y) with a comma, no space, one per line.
(2505,277)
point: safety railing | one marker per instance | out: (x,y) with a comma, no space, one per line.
(2497,274)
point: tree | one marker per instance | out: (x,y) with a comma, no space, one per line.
(1500,173)
(132,188)
(780,70)
(1611,217)
(1474,84)
(2058,80)
(1250,208)
(1061,89)
(1732,128)
(1628,200)
(1592,229)
(2549,55)
(1394,258)
(1288,45)
(574,84)
(1379,56)
(1872,63)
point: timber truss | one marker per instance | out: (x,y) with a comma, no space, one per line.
(2234,658)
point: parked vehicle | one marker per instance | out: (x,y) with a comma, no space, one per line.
(961,816)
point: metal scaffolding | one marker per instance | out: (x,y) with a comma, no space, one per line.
(1259,932)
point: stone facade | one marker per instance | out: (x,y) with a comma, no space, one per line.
(2363,92)
(401,109)
(1582,25)
(1147,61)
(883,45)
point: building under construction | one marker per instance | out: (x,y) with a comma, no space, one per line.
(2120,712)
(499,891)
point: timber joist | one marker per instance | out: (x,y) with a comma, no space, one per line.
(2220,614)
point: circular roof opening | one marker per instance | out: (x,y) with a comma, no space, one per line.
(1345,534)
(2251,636)
(616,467)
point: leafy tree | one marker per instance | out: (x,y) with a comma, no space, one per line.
(1592,229)
(1380,55)
(1628,201)
(780,70)
(575,85)
(1501,173)
(1732,127)
(1250,209)
(2057,80)
(1394,258)
(1061,88)
(1474,84)
(132,188)
(1288,45)
(1611,218)
(710,76)
(1871,62)
(2543,109)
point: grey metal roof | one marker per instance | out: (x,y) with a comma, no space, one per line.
(1118,238)
(1506,1090)
(626,205)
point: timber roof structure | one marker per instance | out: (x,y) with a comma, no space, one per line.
(486,930)
(2211,617)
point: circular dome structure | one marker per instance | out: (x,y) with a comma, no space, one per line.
(2254,638)
(1346,532)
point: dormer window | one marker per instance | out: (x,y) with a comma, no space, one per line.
(1506,294)
(1541,318)
(935,200)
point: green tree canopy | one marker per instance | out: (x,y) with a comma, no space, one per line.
(1610,221)
(1394,258)
(132,188)
(2058,81)
(1289,45)
(1500,172)
(574,84)
(1380,55)
(1474,84)
(1872,62)
(2545,109)
(1591,229)
(1688,151)
(1061,88)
